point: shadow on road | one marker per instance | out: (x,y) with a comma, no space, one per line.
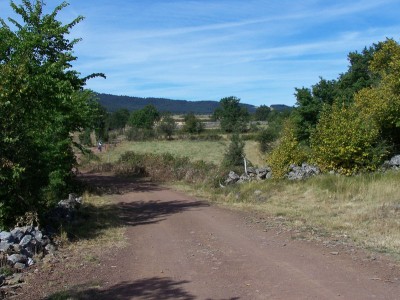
(111,184)
(150,288)
(150,212)
(94,218)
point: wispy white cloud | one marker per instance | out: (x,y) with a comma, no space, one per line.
(257,50)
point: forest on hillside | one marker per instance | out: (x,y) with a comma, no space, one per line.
(113,103)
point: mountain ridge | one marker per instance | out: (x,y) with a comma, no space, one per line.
(114,102)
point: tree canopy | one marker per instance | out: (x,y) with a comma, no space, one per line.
(42,101)
(144,118)
(232,116)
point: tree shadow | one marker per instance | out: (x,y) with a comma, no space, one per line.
(154,211)
(92,219)
(101,184)
(149,289)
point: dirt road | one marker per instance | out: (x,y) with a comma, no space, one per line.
(183,248)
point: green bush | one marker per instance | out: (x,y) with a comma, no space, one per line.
(234,154)
(287,152)
(347,141)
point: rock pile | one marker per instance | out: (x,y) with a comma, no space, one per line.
(393,163)
(302,172)
(252,174)
(20,245)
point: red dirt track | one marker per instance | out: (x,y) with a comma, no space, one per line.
(183,248)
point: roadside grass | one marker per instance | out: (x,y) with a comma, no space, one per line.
(364,209)
(97,223)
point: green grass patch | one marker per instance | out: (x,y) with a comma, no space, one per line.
(208,151)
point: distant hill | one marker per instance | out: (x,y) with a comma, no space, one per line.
(113,103)
(280,107)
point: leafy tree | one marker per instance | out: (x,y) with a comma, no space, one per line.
(192,124)
(382,101)
(262,113)
(305,115)
(167,126)
(358,75)
(232,116)
(41,102)
(144,118)
(311,101)
(119,119)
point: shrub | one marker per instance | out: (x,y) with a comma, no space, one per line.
(234,154)
(287,152)
(346,141)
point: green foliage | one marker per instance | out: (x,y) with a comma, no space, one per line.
(167,126)
(232,116)
(266,137)
(262,113)
(346,141)
(235,152)
(359,75)
(41,102)
(305,115)
(382,102)
(84,137)
(192,124)
(119,119)
(311,101)
(144,118)
(287,152)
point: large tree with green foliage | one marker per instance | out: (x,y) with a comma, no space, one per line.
(262,113)
(144,118)
(310,101)
(232,116)
(119,118)
(42,102)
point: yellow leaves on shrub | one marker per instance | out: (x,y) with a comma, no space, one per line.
(346,141)
(287,152)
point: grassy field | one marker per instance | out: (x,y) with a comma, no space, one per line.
(209,151)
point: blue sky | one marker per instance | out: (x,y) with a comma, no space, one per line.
(256,50)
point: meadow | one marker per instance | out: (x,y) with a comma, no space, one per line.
(208,151)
